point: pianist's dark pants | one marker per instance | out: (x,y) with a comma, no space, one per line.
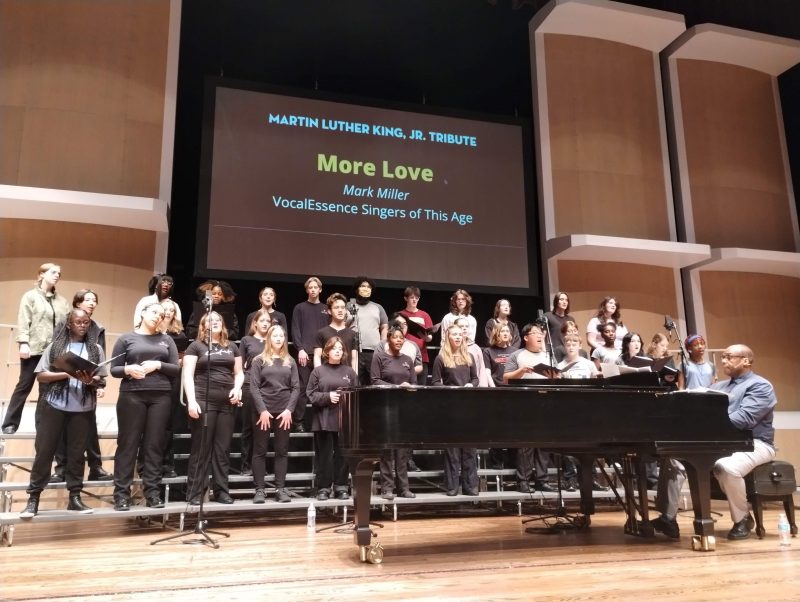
(396,459)
(461,464)
(532,462)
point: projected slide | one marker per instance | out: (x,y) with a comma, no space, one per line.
(302,186)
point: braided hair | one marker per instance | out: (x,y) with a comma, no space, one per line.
(60,346)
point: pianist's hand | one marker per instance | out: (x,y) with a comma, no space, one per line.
(264,420)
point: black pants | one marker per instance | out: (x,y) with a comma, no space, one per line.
(532,462)
(330,466)
(20,395)
(52,424)
(245,418)
(211,445)
(394,461)
(93,457)
(304,373)
(142,418)
(461,466)
(261,443)
(364,367)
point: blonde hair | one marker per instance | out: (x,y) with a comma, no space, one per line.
(283,353)
(44,268)
(205,322)
(651,346)
(454,357)
(494,340)
(175,326)
(311,279)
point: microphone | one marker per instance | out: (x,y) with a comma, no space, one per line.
(540,319)
(352,306)
(669,325)
(208,300)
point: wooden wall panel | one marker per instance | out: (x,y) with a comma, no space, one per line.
(11,125)
(90,77)
(22,238)
(759,310)
(735,157)
(646,293)
(605,139)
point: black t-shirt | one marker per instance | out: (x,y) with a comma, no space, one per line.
(222,360)
(347,335)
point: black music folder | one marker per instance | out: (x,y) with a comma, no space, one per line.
(71,363)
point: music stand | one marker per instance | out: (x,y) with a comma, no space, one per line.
(199,526)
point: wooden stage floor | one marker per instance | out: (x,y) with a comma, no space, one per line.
(432,554)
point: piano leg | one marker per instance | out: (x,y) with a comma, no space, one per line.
(362,493)
(586,474)
(698,471)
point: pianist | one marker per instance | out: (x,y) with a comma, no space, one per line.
(751,405)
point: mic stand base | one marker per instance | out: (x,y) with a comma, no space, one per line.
(563,520)
(199,530)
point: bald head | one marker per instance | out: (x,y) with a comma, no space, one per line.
(737,359)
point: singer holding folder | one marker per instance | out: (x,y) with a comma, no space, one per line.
(68,408)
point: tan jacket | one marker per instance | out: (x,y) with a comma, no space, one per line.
(39,312)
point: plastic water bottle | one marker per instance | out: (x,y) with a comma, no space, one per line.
(784,535)
(311,517)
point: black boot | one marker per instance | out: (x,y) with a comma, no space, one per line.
(31,508)
(77,505)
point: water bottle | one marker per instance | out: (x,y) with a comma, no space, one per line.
(311,517)
(784,535)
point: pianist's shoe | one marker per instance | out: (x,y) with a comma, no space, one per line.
(667,526)
(741,530)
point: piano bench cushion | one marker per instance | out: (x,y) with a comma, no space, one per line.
(774,478)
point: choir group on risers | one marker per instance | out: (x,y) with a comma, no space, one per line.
(338,345)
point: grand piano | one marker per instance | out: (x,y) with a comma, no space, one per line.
(616,417)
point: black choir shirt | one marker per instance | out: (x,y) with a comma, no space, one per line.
(135,348)
(388,369)
(457,376)
(274,387)
(217,365)
(348,336)
(323,380)
(307,319)
(250,347)
(276,317)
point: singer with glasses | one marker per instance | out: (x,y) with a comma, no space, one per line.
(68,410)
(147,361)
(212,382)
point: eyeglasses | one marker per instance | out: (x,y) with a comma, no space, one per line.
(727,356)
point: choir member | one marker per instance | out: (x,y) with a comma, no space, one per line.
(68,409)
(413,313)
(160,289)
(370,323)
(484,376)
(497,353)
(502,315)
(699,372)
(608,352)
(250,347)
(212,382)
(223,300)
(460,305)
(568,327)
(275,386)
(337,306)
(455,367)
(40,309)
(556,318)
(172,326)
(268,300)
(324,386)
(307,318)
(574,365)
(631,347)
(394,368)
(146,360)
(608,311)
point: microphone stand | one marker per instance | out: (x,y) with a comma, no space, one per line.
(671,327)
(199,526)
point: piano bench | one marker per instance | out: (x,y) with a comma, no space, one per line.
(772,481)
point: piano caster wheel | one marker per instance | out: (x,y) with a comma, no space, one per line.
(583,521)
(372,553)
(704,543)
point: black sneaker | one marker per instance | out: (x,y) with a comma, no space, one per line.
(282,496)
(155,501)
(31,508)
(259,497)
(668,527)
(77,505)
(122,504)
